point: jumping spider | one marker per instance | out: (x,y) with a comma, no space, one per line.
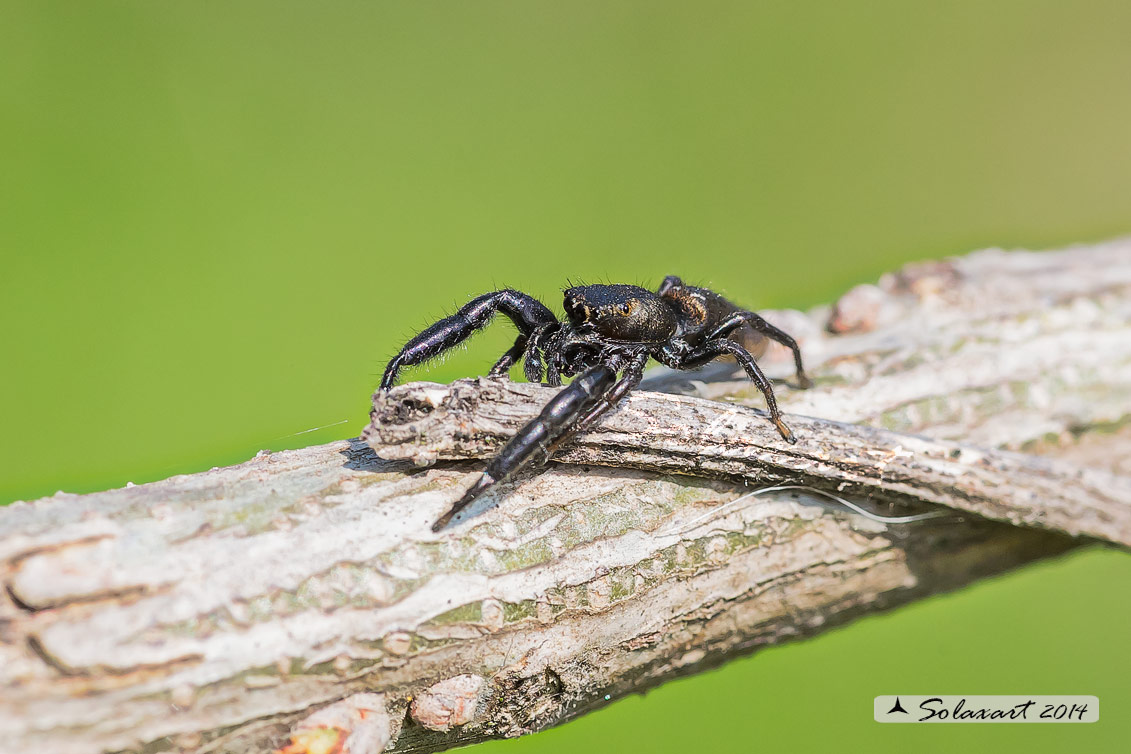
(609,329)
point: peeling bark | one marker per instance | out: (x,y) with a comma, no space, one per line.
(665,433)
(300,600)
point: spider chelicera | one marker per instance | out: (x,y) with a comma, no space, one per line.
(609,329)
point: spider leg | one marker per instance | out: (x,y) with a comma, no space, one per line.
(531,346)
(723,346)
(508,359)
(527,313)
(553,374)
(698,359)
(633,373)
(554,359)
(738,319)
(533,366)
(535,442)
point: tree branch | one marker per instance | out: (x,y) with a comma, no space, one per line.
(683,435)
(301,600)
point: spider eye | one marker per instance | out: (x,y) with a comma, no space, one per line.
(625,308)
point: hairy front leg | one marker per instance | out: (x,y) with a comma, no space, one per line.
(527,313)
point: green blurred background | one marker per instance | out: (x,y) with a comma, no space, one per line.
(218,220)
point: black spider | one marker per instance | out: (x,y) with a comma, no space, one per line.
(609,329)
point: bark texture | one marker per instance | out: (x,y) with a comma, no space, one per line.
(667,433)
(299,602)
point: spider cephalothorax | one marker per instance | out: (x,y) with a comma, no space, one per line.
(608,329)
